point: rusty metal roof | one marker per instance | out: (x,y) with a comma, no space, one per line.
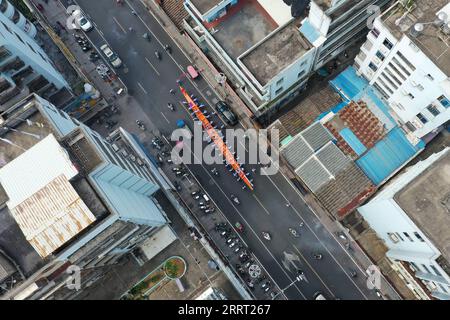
(42,200)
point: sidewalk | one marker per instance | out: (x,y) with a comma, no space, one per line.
(55,12)
(209,73)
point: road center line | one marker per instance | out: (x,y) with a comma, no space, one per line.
(152,66)
(250,228)
(312,269)
(260,203)
(320,241)
(164,116)
(142,88)
(120,26)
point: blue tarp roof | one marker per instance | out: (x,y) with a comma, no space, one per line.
(353,141)
(309,31)
(349,84)
(387,156)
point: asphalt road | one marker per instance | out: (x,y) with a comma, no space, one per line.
(149,81)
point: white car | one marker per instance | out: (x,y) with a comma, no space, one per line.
(112,57)
(81,20)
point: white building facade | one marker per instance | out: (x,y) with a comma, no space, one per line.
(408,215)
(320,33)
(17,41)
(407,58)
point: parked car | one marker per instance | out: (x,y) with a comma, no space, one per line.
(82,21)
(112,57)
(224,109)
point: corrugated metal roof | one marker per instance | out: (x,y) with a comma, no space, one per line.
(353,141)
(34,169)
(44,204)
(387,156)
(333,158)
(52,216)
(297,151)
(313,174)
(317,136)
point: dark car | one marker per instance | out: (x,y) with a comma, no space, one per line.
(225,111)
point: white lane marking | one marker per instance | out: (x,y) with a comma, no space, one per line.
(152,66)
(312,269)
(322,244)
(142,88)
(120,26)
(164,116)
(260,203)
(248,226)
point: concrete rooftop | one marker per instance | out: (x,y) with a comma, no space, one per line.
(203,6)
(246,24)
(426,200)
(276,53)
(432,40)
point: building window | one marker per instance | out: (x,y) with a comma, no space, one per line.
(399,236)
(300,74)
(408,236)
(280,81)
(410,126)
(279,90)
(422,118)
(375,32)
(393,237)
(18,37)
(380,55)
(419,237)
(414,266)
(425,268)
(31,47)
(429,76)
(373,66)
(433,110)
(387,44)
(444,101)
(6,27)
(411,96)
(442,288)
(436,271)
(395,60)
(409,64)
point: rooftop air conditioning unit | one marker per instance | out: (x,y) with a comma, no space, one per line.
(416,30)
(115,147)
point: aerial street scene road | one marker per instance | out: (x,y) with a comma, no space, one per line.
(228,150)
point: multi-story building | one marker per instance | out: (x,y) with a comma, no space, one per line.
(24,66)
(69,197)
(269,49)
(407,58)
(411,215)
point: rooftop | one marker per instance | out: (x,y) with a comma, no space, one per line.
(426,200)
(41,199)
(433,41)
(203,6)
(243,26)
(276,52)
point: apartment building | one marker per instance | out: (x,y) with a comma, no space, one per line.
(269,49)
(69,197)
(411,215)
(407,58)
(24,66)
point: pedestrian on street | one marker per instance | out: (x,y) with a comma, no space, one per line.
(172,91)
(288,204)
